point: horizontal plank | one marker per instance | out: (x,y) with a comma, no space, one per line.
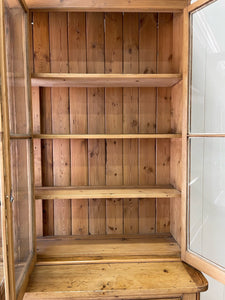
(20,136)
(105,192)
(109,5)
(109,136)
(153,247)
(106,280)
(104,80)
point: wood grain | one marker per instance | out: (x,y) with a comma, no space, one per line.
(105,80)
(147,119)
(164,64)
(37,158)
(104,193)
(96,120)
(42,64)
(176,124)
(102,279)
(78,119)
(108,136)
(60,121)
(123,248)
(110,5)
(130,119)
(113,120)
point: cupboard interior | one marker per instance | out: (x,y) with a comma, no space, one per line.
(116,43)
(116,149)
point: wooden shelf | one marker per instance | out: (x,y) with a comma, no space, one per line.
(106,192)
(109,248)
(127,280)
(104,80)
(109,5)
(109,136)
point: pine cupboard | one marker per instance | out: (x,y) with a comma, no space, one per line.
(100,136)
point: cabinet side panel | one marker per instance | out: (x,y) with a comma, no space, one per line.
(176,126)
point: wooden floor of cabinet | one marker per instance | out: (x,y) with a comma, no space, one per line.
(112,267)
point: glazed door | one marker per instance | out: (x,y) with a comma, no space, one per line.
(205,247)
(18,146)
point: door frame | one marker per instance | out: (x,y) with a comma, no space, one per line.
(7,215)
(188,256)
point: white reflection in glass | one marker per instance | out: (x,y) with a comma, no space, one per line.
(207,198)
(207,88)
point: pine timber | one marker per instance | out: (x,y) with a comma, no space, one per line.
(67,250)
(104,80)
(109,6)
(95,281)
(105,192)
(109,136)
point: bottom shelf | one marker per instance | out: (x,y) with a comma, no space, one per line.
(114,281)
(110,248)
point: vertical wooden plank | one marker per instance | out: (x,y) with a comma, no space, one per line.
(42,64)
(79,163)
(148,42)
(164,65)
(113,43)
(78,119)
(31,53)
(176,126)
(37,158)
(60,121)
(41,42)
(96,120)
(176,161)
(77,42)
(130,119)
(147,157)
(113,120)
(95,42)
(147,118)
(177,42)
(47,159)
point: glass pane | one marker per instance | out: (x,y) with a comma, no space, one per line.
(207,75)
(15,21)
(22,210)
(207,198)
